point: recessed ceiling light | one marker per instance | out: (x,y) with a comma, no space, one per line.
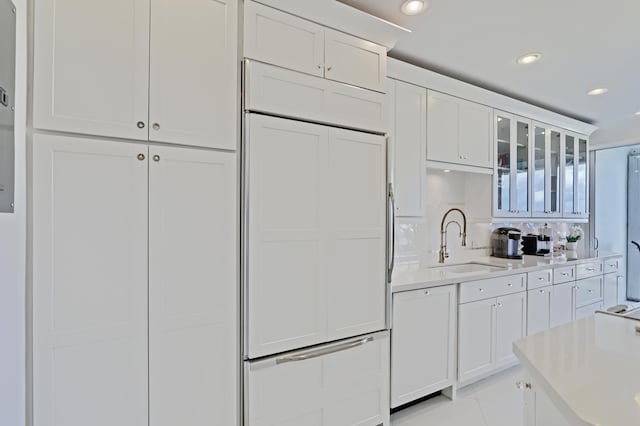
(598,91)
(447,171)
(529,58)
(413,7)
(638,113)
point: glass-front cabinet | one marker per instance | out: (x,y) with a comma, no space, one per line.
(512,170)
(576,176)
(546,169)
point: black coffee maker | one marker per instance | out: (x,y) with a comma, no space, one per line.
(536,245)
(505,243)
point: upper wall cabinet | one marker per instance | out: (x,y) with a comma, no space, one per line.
(408,131)
(155,70)
(285,40)
(511,196)
(459,131)
(575,197)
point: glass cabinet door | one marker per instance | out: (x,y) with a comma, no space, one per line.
(581,179)
(503,165)
(521,185)
(569,172)
(539,171)
(554,173)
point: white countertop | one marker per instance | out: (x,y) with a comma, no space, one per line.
(589,368)
(413,276)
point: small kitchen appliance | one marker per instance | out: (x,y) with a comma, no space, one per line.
(505,243)
(536,245)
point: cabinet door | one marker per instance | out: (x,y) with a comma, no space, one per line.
(569,208)
(353,221)
(194,73)
(538,310)
(443,129)
(422,343)
(546,171)
(286,244)
(504,172)
(562,304)
(344,383)
(511,325)
(476,130)
(355,61)
(91,67)
(410,123)
(281,39)
(476,338)
(610,290)
(193,291)
(89,282)
(582,178)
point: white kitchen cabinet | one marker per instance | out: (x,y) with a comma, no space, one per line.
(277,38)
(459,131)
(562,305)
(136,80)
(546,169)
(511,325)
(193,96)
(476,339)
(343,383)
(511,196)
(488,327)
(576,176)
(89,282)
(193,296)
(135,261)
(316,243)
(538,309)
(611,288)
(423,343)
(409,126)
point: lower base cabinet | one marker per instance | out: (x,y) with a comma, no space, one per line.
(539,410)
(487,330)
(423,343)
(562,304)
(550,306)
(344,383)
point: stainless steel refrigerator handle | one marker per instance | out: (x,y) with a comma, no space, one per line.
(324,351)
(392,231)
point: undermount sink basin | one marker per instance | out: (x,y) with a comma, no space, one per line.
(468,268)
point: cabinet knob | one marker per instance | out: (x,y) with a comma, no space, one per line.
(499,305)
(427,292)
(522,385)
(156,157)
(141,157)
(330,67)
(510,285)
(540,278)
(481,290)
(140,124)
(156,126)
(319,66)
(541,291)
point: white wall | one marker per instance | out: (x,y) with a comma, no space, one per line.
(624,132)
(12,258)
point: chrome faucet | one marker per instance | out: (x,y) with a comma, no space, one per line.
(443,233)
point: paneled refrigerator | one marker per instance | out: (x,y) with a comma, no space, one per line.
(633,228)
(315,253)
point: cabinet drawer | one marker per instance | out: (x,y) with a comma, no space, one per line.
(291,94)
(588,291)
(564,274)
(589,269)
(344,383)
(588,310)
(539,279)
(612,265)
(491,287)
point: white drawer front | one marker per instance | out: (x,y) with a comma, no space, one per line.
(539,279)
(344,383)
(290,94)
(589,269)
(564,274)
(588,310)
(612,265)
(588,291)
(491,287)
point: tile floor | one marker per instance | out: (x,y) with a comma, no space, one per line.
(494,401)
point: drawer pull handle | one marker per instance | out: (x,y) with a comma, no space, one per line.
(590,291)
(510,285)
(590,269)
(541,291)
(427,292)
(481,290)
(324,351)
(540,278)
(564,274)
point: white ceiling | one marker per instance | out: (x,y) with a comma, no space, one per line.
(585,44)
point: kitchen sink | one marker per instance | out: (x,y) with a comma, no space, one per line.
(468,268)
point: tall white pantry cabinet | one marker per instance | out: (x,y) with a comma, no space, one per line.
(134,291)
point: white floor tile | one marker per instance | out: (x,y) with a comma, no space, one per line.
(494,401)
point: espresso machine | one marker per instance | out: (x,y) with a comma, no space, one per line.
(505,243)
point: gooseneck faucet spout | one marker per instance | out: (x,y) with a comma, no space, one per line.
(442,255)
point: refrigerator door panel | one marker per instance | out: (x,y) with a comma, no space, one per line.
(633,230)
(314,234)
(345,383)
(7,103)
